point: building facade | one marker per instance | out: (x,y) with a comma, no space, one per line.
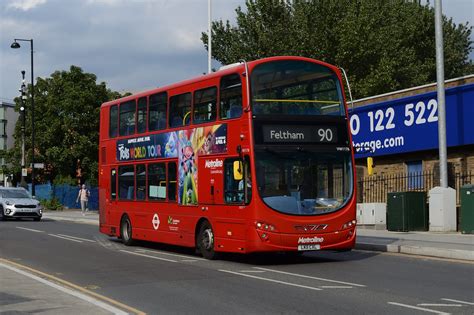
(399,132)
(8,119)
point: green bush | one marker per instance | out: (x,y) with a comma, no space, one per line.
(68,180)
(52,204)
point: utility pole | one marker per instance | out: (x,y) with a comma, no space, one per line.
(443,163)
(442,207)
(23,124)
(16,45)
(209,37)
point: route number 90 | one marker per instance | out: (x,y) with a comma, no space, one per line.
(325,135)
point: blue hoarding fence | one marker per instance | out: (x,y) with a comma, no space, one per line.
(66,195)
(410,124)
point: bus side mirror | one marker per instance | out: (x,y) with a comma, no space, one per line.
(238,170)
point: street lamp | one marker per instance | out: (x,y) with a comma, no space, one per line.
(23,122)
(209,37)
(16,45)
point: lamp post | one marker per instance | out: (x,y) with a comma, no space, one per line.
(16,45)
(23,123)
(209,37)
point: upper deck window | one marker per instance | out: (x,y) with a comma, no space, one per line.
(157,111)
(205,108)
(127,118)
(113,121)
(231,97)
(180,110)
(295,87)
(141,115)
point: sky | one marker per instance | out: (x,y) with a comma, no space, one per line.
(132,45)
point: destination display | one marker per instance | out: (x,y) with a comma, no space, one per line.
(299,134)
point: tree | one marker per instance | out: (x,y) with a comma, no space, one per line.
(67,106)
(383,45)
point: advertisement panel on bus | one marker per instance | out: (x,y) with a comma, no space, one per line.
(187,145)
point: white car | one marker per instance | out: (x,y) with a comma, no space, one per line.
(17,203)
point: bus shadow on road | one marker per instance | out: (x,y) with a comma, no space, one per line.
(292,258)
(270,258)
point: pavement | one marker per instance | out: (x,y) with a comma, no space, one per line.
(31,291)
(449,245)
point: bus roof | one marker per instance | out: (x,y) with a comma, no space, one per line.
(223,71)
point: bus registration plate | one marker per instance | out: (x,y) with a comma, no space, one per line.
(309,247)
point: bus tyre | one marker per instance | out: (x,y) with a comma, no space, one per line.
(126,231)
(205,241)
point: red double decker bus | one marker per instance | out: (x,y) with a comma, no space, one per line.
(254,157)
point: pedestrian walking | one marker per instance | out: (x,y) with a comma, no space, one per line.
(83,195)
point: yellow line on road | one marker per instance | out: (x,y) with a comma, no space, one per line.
(74,286)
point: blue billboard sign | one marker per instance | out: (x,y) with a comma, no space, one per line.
(411,123)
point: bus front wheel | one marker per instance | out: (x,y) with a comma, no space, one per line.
(205,241)
(126,231)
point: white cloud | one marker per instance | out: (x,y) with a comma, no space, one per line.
(25,5)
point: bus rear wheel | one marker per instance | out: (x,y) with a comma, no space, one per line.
(205,241)
(126,231)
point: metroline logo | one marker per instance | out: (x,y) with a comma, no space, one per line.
(214,163)
(306,240)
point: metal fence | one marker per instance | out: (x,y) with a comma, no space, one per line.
(375,188)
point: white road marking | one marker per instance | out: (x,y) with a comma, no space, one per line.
(77,294)
(78,238)
(310,277)
(336,287)
(434,304)
(457,301)
(31,230)
(168,254)
(252,271)
(418,308)
(188,260)
(272,280)
(65,238)
(148,256)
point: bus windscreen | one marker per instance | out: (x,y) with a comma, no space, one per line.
(295,87)
(302,182)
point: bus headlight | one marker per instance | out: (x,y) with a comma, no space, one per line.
(263,230)
(265,226)
(349,225)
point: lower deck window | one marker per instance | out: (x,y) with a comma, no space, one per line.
(235,189)
(157,181)
(126,182)
(141,182)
